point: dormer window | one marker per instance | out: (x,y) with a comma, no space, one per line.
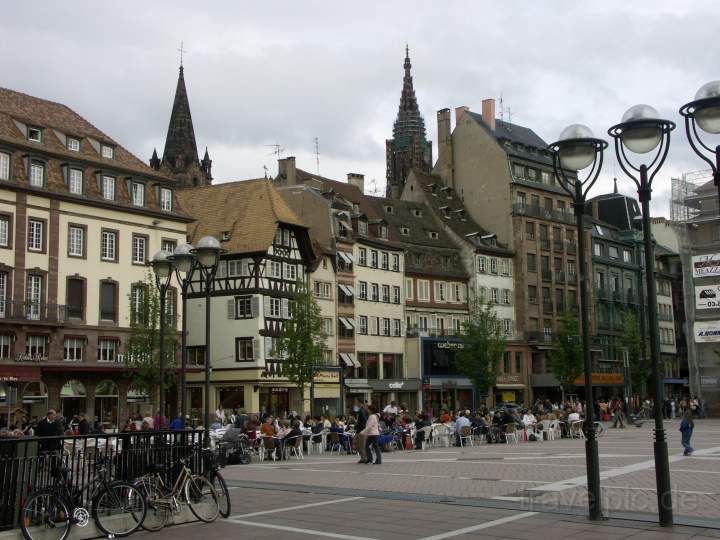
(108,188)
(404,231)
(73,144)
(433,235)
(363,227)
(37,173)
(383,231)
(138,194)
(166,202)
(417,212)
(107,152)
(34,134)
(389,209)
(225,236)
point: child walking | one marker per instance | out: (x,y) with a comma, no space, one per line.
(686,429)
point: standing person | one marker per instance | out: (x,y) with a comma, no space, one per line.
(49,427)
(360,423)
(83,425)
(672,409)
(686,429)
(372,436)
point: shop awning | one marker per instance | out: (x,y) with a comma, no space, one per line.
(354,360)
(345,357)
(347,323)
(357,385)
(345,257)
(344,288)
(12,374)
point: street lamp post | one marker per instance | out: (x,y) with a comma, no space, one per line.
(183,260)
(576,150)
(207,253)
(162,267)
(642,131)
(704,111)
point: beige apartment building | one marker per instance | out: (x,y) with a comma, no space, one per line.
(80,217)
(503,174)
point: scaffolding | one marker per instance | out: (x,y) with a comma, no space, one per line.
(684,189)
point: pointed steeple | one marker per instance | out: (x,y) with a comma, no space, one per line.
(409,147)
(180,147)
(615,188)
(155,160)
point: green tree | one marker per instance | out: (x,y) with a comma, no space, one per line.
(637,353)
(302,342)
(142,350)
(565,360)
(483,345)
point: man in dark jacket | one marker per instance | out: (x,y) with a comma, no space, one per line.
(48,427)
(360,423)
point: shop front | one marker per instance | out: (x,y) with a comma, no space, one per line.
(444,387)
(509,388)
(17,382)
(606,385)
(356,389)
(325,392)
(404,392)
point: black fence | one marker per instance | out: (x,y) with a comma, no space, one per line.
(26,464)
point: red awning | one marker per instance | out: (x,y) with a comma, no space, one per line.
(9,373)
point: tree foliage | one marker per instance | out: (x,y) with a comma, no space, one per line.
(302,342)
(637,352)
(483,345)
(565,361)
(142,350)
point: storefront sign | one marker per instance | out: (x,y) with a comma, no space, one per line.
(36,358)
(396,385)
(19,374)
(707,297)
(454,345)
(708,381)
(327,376)
(407,385)
(707,332)
(603,379)
(706,265)
(508,396)
(509,378)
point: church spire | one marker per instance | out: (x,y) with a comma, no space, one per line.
(409,147)
(180,156)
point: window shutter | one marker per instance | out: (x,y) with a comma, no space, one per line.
(231,308)
(256,349)
(285,310)
(266,306)
(255,306)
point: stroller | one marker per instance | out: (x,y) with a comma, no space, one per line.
(236,447)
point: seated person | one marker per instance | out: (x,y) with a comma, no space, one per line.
(462,422)
(268,429)
(421,421)
(529,419)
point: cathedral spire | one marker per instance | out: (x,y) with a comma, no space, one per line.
(180,156)
(409,147)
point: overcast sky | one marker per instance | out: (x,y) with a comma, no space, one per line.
(287,72)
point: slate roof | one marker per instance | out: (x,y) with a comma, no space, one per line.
(250,210)
(51,116)
(523,142)
(451,210)
(432,252)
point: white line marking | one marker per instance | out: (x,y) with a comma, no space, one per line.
(694,471)
(299,507)
(302,531)
(570,483)
(474,528)
(653,489)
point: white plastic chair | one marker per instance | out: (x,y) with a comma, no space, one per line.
(317,441)
(576,429)
(511,433)
(293,446)
(466,434)
(441,432)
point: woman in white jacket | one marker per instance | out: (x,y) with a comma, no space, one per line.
(372,437)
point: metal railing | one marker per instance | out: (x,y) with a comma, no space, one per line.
(543,213)
(545,244)
(559,276)
(558,247)
(26,464)
(548,307)
(546,274)
(536,336)
(35,311)
(571,247)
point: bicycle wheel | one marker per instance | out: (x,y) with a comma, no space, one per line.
(158,508)
(119,510)
(202,498)
(218,482)
(45,515)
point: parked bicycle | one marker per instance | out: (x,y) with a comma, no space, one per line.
(212,472)
(117,508)
(163,501)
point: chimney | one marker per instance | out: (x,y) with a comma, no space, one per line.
(445,148)
(357,180)
(286,170)
(488,112)
(459,111)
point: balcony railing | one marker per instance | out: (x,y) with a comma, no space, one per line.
(548,307)
(559,276)
(523,209)
(546,274)
(617,296)
(35,311)
(570,247)
(545,244)
(414,331)
(558,247)
(571,278)
(536,336)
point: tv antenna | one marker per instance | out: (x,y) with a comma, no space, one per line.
(504,109)
(373,188)
(317,153)
(278,150)
(266,170)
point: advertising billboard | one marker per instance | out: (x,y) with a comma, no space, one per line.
(707,297)
(706,265)
(707,332)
